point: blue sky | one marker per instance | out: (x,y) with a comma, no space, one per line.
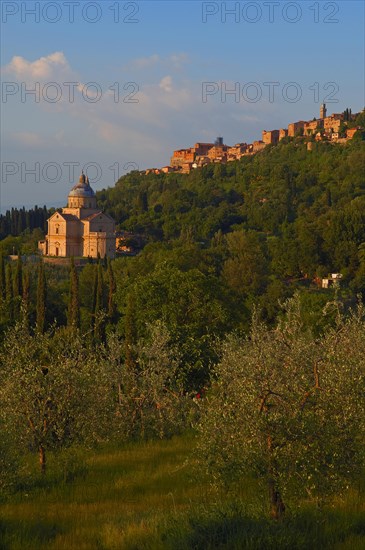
(165,56)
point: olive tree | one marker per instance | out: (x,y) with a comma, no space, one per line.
(289,408)
(53,391)
(151,401)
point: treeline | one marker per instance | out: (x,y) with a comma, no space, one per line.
(15,221)
(358,120)
(195,307)
(41,296)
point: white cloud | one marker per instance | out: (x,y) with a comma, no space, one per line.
(177,60)
(145,62)
(166,84)
(246,118)
(30,139)
(108,131)
(41,69)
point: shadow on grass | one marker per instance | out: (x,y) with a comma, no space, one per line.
(17,535)
(232,530)
(64,468)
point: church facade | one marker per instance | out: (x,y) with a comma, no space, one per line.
(80,229)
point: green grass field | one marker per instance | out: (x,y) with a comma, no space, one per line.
(144,496)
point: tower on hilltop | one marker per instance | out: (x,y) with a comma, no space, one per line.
(323,111)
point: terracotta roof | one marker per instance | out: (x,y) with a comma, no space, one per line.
(66,217)
(92,216)
(70,217)
(96,214)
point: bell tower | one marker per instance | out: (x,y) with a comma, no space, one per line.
(323,111)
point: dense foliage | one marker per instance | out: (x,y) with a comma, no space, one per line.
(289,406)
(307,207)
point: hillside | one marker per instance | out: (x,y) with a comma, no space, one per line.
(305,209)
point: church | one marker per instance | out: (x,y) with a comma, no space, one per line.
(80,229)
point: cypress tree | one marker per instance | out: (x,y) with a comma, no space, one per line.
(19,228)
(45,217)
(94,290)
(100,289)
(27,221)
(2,278)
(9,292)
(41,299)
(98,313)
(73,317)
(17,288)
(18,278)
(130,332)
(25,297)
(112,290)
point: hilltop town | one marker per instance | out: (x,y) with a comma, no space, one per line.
(332,128)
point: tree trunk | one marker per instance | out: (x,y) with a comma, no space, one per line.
(42,459)
(277,506)
(141,416)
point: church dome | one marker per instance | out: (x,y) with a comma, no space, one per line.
(82,188)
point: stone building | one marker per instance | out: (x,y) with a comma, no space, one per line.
(218,153)
(312,127)
(323,111)
(181,157)
(350,132)
(283,133)
(258,146)
(333,280)
(201,149)
(333,123)
(237,151)
(80,229)
(294,127)
(270,137)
